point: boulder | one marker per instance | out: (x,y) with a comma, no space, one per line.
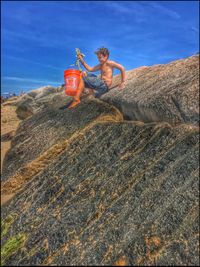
(95,186)
(49,126)
(61,88)
(26,107)
(11,101)
(42,91)
(159,93)
(115,193)
(8,136)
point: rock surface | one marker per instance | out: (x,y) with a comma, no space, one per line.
(26,107)
(94,189)
(160,93)
(42,91)
(48,127)
(35,100)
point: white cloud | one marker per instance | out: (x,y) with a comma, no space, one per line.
(32,62)
(123,9)
(29,80)
(118,7)
(167,11)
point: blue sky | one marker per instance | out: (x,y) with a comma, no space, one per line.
(38,38)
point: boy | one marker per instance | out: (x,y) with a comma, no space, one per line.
(92,82)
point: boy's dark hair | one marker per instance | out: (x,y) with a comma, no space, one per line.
(102,50)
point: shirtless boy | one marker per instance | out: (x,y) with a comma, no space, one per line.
(92,82)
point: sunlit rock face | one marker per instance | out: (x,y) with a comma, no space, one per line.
(49,126)
(160,93)
(35,100)
(42,91)
(92,188)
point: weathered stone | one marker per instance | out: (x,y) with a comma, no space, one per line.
(120,191)
(42,91)
(11,101)
(49,126)
(8,136)
(61,88)
(160,93)
(26,107)
(93,189)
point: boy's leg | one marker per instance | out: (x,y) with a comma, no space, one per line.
(91,92)
(80,89)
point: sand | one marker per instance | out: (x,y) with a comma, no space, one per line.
(9,123)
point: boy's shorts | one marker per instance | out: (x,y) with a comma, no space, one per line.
(95,83)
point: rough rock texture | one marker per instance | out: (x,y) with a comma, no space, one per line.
(32,103)
(42,91)
(8,136)
(93,189)
(117,191)
(50,126)
(36,100)
(160,93)
(26,107)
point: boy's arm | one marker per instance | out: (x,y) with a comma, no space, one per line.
(88,68)
(122,69)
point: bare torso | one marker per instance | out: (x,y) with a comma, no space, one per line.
(107,72)
(106,67)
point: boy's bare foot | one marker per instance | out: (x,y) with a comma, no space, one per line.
(74,103)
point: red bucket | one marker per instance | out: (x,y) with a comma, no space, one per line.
(72,78)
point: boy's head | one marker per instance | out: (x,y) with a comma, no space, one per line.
(102,54)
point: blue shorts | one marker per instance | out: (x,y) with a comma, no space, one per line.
(95,83)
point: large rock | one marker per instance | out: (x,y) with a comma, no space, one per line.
(116,193)
(42,91)
(49,126)
(93,189)
(160,93)
(26,107)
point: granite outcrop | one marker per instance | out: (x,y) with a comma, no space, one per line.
(160,93)
(111,182)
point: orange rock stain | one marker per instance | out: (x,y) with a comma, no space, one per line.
(121,261)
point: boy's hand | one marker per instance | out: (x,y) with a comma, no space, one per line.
(122,84)
(84,74)
(80,57)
